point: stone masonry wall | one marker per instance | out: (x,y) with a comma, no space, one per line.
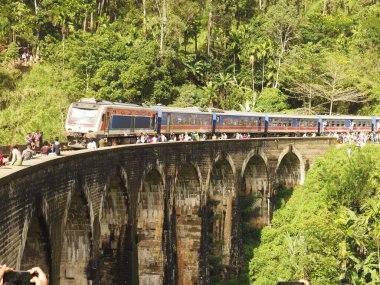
(139,214)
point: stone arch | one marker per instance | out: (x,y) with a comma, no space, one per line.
(77,240)
(290,169)
(37,247)
(187,201)
(150,219)
(222,156)
(221,195)
(255,182)
(116,251)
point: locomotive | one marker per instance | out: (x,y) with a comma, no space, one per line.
(89,119)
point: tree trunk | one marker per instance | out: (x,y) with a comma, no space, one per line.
(209,29)
(92,21)
(253,74)
(324,7)
(260,5)
(85,23)
(378,257)
(100,11)
(310,101)
(263,74)
(163,24)
(277,72)
(35,7)
(63,49)
(331,105)
(283,48)
(144,14)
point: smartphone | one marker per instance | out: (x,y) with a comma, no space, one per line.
(17,278)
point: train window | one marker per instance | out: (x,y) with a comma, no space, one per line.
(121,122)
(83,113)
(333,123)
(142,122)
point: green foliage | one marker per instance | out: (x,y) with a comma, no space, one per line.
(12,52)
(209,54)
(272,100)
(328,232)
(39,102)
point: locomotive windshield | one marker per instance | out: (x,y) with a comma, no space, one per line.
(83,114)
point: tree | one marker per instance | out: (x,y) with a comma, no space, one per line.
(272,100)
(283,25)
(335,85)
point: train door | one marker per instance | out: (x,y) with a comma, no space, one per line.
(296,124)
(213,123)
(133,123)
(320,126)
(373,124)
(107,123)
(159,121)
(153,122)
(266,125)
(168,122)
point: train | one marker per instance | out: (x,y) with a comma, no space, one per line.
(89,119)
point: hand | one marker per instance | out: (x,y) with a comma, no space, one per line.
(40,279)
(3,269)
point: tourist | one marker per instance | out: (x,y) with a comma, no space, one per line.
(91,144)
(102,142)
(45,149)
(28,153)
(28,138)
(55,148)
(39,277)
(16,156)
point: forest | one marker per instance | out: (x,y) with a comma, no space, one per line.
(300,56)
(328,232)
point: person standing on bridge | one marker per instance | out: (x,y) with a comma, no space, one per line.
(57,146)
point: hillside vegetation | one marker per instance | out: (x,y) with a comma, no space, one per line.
(271,56)
(329,230)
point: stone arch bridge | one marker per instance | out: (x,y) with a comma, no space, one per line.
(144,214)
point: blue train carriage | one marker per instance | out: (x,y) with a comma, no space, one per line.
(181,120)
(291,124)
(239,122)
(90,119)
(346,123)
